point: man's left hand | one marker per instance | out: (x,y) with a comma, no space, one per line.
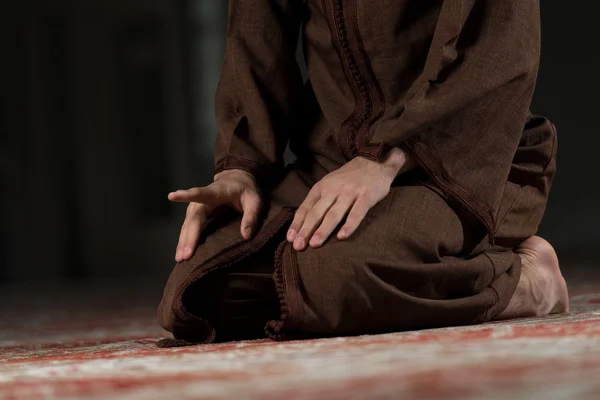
(349,193)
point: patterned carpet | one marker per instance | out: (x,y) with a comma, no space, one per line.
(96,341)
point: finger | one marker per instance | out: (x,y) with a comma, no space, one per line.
(208,194)
(251,204)
(332,219)
(190,231)
(358,212)
(180,243)
(300,215)
(312,221)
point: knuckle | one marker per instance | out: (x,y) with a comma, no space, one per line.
(196,210)
(191,208)
(223,192)
(202,213)
(216,186)
(304,232)
(252,195)
(326,192)
(334,215)
(368,197)
(302,210)
(295,224)
(220,188)
(318,188)
(353,219)
(313,214)
(348,188)
(363,191)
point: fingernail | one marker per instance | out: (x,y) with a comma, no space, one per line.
(187,251)
(315,241)
(291,235)
(299,243)
(343,233)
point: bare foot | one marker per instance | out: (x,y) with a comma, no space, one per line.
(542,290)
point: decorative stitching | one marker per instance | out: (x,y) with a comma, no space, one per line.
(437,172)
(349,138)
(373,152)
(274,329)
(225,258)
(235,161)
(372,83)
(283,277)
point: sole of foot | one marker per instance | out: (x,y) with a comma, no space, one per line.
(541,271)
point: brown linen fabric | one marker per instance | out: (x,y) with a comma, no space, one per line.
(237,301)
(448,81)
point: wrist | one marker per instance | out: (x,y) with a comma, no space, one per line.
(397,162)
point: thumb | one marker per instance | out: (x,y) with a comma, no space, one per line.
(251,204)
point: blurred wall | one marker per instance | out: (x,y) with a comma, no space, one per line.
(567,93)
(107,106)
(101,134)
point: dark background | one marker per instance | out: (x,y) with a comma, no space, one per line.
(107,106)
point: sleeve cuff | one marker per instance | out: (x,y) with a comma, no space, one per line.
(374,152)
(234,161)
(264,175)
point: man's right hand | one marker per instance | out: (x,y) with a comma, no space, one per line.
(232,188)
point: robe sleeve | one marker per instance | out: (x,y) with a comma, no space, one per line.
(464,116)
(259,86)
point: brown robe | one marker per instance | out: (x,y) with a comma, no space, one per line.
(450,82)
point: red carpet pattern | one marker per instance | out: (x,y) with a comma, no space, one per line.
(97,342)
